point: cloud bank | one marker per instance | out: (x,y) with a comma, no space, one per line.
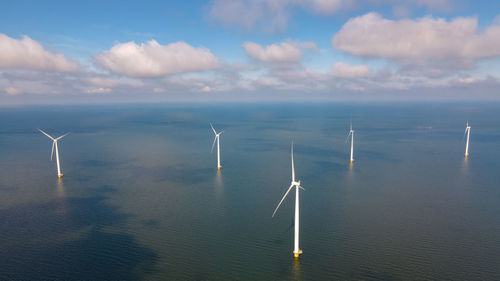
(343,70)
(155,60)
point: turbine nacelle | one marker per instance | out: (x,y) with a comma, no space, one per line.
(467,126)
(350,134)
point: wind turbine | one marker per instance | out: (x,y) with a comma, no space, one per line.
(217,137)
(351,133)
(296,250)
(467,131)
(54,144)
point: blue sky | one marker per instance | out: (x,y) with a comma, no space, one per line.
(221,50)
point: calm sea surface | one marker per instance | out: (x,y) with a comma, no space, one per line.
(141,197)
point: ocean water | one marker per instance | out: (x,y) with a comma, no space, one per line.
(141,198)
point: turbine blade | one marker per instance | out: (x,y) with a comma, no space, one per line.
(293,167)
(213,128)
(213,144)
(62,136)
(46,134)
(347,138)
(290,188)
(302,188)
(52,153)
(221,132)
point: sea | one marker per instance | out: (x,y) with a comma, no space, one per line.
(141,197)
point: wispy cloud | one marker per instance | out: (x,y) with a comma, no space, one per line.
(273,15)
(267,15)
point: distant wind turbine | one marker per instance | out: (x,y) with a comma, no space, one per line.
(467,131)
(351,134)
(54,144)
(216,138)
(296,250)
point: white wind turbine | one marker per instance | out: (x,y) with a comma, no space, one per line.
(351,134)
(54,144)
(296,250)
(216,138)
(467,131)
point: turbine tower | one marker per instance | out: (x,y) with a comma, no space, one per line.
(54,144)
(296,250)
(467,131)
(217,138)
(351,134)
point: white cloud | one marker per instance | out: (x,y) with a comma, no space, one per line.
(344,70)
(155,60)
(467,80)
(478,84)
(418,41)
(206,89)
(158,90)
(99,91)
(277,53)
(26,53)
(102,82)
(11,91)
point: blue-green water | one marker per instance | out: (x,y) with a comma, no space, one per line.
(141,197)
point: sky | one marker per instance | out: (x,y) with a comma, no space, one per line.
(55,52)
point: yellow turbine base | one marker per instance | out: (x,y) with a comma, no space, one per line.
(466,155)
(352,160)
(296,255)
(218,168)
(59,176)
